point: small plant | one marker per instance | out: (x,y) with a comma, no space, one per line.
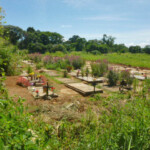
(87,72)
(99,68)
(36,57)
(112,78)
(82,72)
(39,66)
(65,74)
(96,97)
(29,69)
(126,76)
(69,68)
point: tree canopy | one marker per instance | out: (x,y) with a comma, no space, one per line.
(42,41)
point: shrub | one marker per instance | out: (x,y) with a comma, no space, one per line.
(39,66)
(125,75)
(112,78)
(65,74)
(36,57)
(99,68)
(76,61)
(29,69)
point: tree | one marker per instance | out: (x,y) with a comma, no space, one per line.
(108,40)
(36,47)
(1,18)
(135,49)
(91,45)
(55,38)
(30,29)
(44,39)
(59,47)
(13,33)
(146,49)
(120,48)
(74,39)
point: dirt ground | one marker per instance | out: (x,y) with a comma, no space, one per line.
(70,105)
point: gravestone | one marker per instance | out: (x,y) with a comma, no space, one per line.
(67,80)
(82,88)
(91,79)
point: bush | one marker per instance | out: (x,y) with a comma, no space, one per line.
(76,61)
(112,78)
(39,66)
(36,57)
(29,69)
(125,75)
(99,68)
(8,61)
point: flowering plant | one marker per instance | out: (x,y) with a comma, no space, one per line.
(37,91)
(31,74)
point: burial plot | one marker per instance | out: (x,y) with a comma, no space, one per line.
(51,73)
(111,89)
(84,89)
(40,93)
(139,77)
(91,79)
(67,80)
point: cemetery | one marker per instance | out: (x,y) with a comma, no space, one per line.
(37,86)
(84,81)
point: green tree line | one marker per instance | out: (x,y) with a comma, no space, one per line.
(39,41)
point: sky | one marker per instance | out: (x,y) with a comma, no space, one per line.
(126,20)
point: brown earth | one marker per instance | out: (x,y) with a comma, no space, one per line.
(69,105)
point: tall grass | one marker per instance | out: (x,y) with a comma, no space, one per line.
(135,60)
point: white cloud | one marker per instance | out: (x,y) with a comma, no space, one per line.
(66,26)
(78,3)
(105,18)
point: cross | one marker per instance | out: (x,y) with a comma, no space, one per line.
(47,87)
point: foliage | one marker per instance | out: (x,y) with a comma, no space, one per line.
(65,74)
(29,69)
(125,75)
(39,66)
(76,61)
(36,57)
(9,59)
(113,77)
(99,68)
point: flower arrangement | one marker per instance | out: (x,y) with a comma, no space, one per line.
(31,74)
(53,90)
(23,82)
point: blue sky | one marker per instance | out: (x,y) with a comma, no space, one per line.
(127,20)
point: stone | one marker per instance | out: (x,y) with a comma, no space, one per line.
(91,79)
(66,80)
(82,88)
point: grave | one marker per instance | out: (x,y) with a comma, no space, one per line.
(91,79)
(139,77)
(84,89)
(41,93)
(51,73)
(67,80)
(109,88)
(28,62)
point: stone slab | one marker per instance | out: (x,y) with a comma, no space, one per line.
(33,89)
(91,79)
(67,80)
(139,77)
(51,73)
(84,89)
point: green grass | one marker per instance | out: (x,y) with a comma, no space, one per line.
(135,60)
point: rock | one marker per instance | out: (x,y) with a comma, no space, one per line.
(72,106)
